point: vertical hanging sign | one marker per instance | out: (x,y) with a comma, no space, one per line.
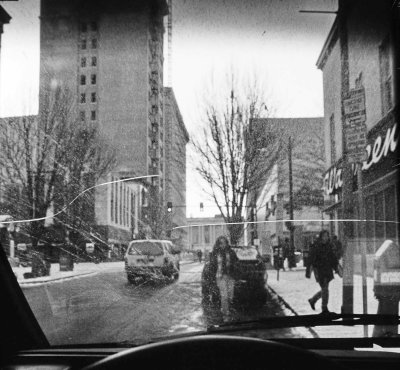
(355,130)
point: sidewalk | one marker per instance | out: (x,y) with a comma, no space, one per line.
(80,270)
(295,289)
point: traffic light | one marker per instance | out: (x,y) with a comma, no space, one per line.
(169,207)
(201,207)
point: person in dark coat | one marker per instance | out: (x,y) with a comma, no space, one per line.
(323,262)
(199,255)
(217,281)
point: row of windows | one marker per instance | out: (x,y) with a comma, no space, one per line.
(205,236)
(93,79)
(93,62)
(93,98)
(84,44)
(93,116)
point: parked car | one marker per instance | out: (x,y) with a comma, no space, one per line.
(250,274)
(151,259)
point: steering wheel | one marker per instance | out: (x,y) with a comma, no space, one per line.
(216,352)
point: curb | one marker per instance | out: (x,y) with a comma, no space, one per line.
(27,284)
(289,308)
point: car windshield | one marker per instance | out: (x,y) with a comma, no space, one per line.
(146,248)
(252,146)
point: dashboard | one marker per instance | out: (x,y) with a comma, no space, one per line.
(79,358)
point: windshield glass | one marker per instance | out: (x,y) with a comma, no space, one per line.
(173,166)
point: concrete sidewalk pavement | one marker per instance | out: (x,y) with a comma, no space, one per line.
(295,290)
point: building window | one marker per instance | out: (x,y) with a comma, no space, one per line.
(83,80)
(133,216)
(83,98)
(207,234)
(82,116)
(83,27)
(83,62)
(94,43)
(112,200)
(93,26)
(385,70)
(332,135)
(94,61)
(93,115)
(379,209)
(195,234)
(116,201)
(120,203)
(93,79)
(83,44)
(93,97)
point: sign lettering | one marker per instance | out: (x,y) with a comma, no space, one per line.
(375,152)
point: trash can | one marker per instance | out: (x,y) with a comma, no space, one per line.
(66,262)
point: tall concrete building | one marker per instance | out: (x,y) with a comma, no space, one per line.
(4,19)
(109,55)
(176,138)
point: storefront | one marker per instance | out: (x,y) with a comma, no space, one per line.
(380,186)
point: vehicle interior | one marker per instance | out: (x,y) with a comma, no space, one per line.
(89,316)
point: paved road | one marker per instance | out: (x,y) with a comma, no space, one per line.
(105,308)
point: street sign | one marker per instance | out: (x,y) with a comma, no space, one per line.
(89,247)
(355,129)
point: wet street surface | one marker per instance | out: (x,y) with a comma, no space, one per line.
(105,308)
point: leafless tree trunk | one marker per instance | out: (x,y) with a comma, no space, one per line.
(235,155)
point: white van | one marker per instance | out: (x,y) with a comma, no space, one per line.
(147,258)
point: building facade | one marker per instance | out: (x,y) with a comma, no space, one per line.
(110,58)
(4,19)
(268,207)
(203,232)
(176,137)
(359,56)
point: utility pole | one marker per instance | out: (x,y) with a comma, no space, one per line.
(292,262)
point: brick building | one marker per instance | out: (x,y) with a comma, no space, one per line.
(359,56)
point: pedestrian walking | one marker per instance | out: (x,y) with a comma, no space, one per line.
(285,253)
(217,279)
(225,281)
(199,255)
(323,262)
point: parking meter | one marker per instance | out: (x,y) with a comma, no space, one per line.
(387,271)
(387,285)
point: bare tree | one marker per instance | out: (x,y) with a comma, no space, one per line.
(49,159)
(235,155)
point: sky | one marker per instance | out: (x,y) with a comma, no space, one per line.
(268,39)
